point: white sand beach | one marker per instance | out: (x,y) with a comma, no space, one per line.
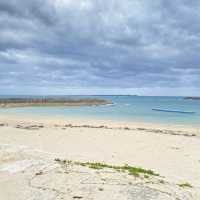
(35,154)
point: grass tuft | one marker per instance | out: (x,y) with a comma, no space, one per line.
(183,185)
(135,171)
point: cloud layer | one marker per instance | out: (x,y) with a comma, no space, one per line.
(64,44)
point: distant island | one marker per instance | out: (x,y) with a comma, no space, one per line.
(192,98)
(23,102)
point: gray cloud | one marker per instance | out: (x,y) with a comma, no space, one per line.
(106,44)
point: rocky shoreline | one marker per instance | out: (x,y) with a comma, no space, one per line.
(20,102)
(192,98)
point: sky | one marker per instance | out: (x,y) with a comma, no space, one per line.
(100,47)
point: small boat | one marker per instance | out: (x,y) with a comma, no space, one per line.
(173,111)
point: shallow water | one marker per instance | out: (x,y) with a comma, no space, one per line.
(132,108)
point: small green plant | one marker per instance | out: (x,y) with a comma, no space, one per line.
(138,170)
(183,185)
(94,165)
(146,176)
(135,171)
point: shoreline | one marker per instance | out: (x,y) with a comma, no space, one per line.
(81,121)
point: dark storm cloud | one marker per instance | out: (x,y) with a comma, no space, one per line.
(87,43)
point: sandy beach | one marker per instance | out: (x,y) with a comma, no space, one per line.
(43,158)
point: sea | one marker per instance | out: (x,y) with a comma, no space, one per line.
(130,108)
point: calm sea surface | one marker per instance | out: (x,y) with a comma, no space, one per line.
(132,108)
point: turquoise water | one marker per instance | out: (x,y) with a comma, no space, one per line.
(132,108)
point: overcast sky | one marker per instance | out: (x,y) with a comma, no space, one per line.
(100,46)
